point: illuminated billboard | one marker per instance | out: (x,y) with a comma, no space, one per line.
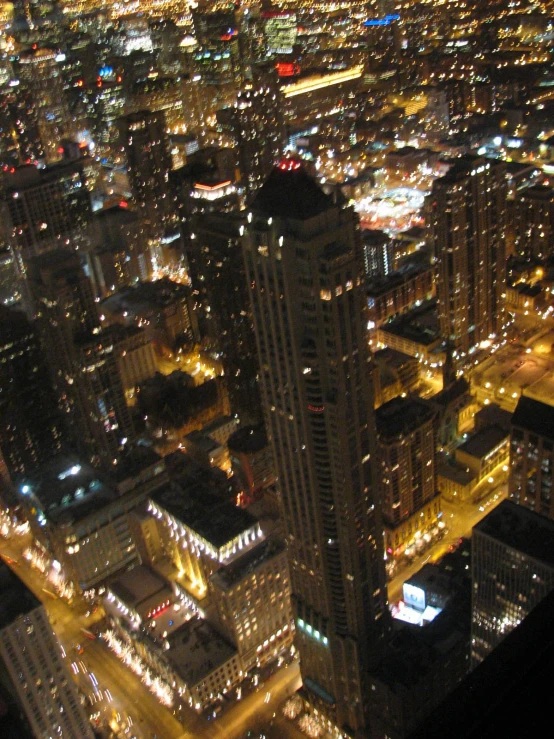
(413,596)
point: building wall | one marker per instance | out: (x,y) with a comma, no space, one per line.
(531,471)
(507,585)
(48,696)
(256,611)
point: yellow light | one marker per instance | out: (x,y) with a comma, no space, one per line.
(318,82)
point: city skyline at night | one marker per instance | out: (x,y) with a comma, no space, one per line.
(276,366)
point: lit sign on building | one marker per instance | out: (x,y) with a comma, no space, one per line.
(386,21)
(413,596)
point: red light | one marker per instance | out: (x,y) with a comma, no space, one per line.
(289,165)
(60,149)
(287,69)
(123,204)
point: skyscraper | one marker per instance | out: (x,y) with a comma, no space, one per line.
(255,124)
(32,668)
(144,142)
(46,209)
(41,74)
(81,360)
(305,276)
(30,427)
(467,219)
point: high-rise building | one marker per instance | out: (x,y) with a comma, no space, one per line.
(31,666)
(410,500)
(217,272)
(30,427)
(40,72)
(144,142)
(534,222)
(305,275)
(512,565)
(82,361)
(532,456)
(46,209)
(256,125)
(467,220)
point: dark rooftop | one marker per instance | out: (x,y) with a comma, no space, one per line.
(66,490)
(215,520)
(484,441)
(228,576)
(139,585)
(401,416)
(16,598)
(248,440)
(291,193)
(534,416)
(521,529)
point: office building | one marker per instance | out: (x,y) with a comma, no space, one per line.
(305,275)
(32,670)
(81,361)
(119,255)
(40,72)
(512,571)
(46,209)
(217,273)
(82,519)
(252,598)
(255,124)
(532,456)
(534,222)
(30,427)
(467,228)
(409,498)
(161,94)
(144,143)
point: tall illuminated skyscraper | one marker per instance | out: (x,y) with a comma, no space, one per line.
(467,221)
(305,275)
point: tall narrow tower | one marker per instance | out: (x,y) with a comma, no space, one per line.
(467,226)
(305,276)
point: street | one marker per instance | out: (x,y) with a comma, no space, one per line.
(127,697)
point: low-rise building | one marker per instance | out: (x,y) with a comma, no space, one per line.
(484,451)
(82,519)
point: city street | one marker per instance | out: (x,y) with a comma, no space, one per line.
(127,695)
(460,518)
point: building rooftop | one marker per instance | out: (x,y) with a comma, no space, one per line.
(457,474)
(534,416)
(401,416)
(291,193)
(521,529)
(216,520)
(196,650)
(228,576)
(66,490)
(141,588)
(420,325)
(248,440)
(483,442)
(16,599)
